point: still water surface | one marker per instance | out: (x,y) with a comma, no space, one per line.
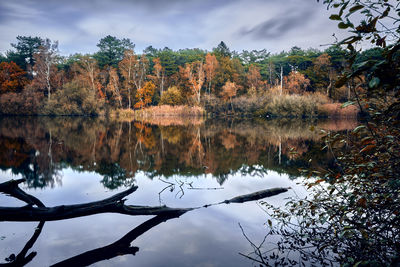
(175,163)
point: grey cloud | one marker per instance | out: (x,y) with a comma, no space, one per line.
(78,25)
(279,25)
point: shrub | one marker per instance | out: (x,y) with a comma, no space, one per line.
(172,96)
(166,110)
(28,102)
(74,99)
(293,105)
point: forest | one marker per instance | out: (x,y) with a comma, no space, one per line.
(36,79)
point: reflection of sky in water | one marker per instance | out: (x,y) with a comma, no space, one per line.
(204,237)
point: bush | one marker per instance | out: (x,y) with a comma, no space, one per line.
(294,105)
(28,102)
(172,97)
(166,111)
(74,99)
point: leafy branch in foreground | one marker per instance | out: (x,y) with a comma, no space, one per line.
(352,217)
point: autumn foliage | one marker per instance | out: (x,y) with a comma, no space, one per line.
(144,95)
(296,83)
(122,79)
(12,78)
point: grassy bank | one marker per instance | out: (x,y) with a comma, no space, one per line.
(284,106)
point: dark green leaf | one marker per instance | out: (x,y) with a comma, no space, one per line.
(343,25)
(348,103)
(354,9)
(374,82)
(335,17)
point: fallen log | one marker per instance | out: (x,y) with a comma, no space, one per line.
(113,204)
(11,188)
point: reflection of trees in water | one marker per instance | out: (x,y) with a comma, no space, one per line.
(39,148)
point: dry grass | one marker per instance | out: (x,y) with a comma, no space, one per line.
(169,111)
(172,121)
(294,105)
(335,110)
(122,115)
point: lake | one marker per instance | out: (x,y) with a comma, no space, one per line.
(180,163)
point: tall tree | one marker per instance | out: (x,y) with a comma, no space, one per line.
(87,67)
(127,67)
(254,78)
(140,71)
(25,48)
(158,74)
(45,68)
(325,72)
(112,50)
(222,50)
(210,68)
(229,90)
(195,74)
(114,85)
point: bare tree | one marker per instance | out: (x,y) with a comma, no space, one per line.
(45,69)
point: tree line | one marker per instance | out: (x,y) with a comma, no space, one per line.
(35,79)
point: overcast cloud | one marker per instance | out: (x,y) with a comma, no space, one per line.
(78,25)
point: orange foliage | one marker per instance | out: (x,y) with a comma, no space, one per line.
(296,82)
(128,72)
(87,70)
(157,67)
(254,78)
(145,95)
(229,90)
(12,77)
(210,68)
(113,85)
(195,74)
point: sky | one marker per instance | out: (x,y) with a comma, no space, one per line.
(78,25)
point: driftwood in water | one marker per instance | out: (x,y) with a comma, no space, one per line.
(113,204)
(257,195)
(253,196)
